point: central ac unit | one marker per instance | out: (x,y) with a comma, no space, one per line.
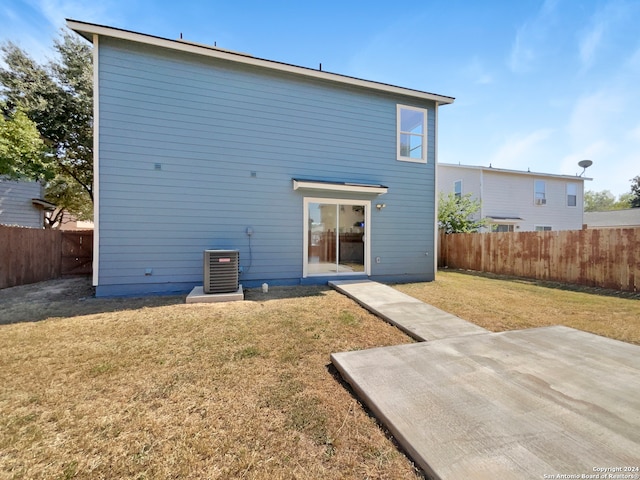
(221,269)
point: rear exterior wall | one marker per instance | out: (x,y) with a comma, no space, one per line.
(193,150)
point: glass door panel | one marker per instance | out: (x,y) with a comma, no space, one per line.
(335,238)
(351,238)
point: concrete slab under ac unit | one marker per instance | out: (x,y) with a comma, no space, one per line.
(197,295)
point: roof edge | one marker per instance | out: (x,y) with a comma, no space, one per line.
(520,172)
(87,30)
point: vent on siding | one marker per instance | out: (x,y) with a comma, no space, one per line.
(221,271)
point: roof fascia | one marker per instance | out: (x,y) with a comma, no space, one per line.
(516,172)
(87,30)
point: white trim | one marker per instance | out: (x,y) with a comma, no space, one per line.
(88,29)
(520,172)
(305,234)
(96,161)
(339,187)
(566,198)
(504,221)
(425,136)
(454,186)
(436,229)
(543,200)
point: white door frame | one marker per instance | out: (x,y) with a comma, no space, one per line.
(367,234)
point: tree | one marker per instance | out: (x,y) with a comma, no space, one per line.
(635,192)
(455,214)
(22,151)
(604,201)
(58,98)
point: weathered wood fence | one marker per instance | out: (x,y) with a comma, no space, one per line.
(607,258)
(29,255)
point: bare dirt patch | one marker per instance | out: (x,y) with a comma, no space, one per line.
(65,297)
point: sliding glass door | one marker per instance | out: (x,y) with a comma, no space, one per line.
(336,237)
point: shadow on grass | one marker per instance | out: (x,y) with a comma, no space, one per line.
(74,296)
(335,373)
(606,292)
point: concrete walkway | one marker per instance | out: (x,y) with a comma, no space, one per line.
(541,403)
(417,319)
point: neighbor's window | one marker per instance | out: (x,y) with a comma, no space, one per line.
(543,228)
(412,134)
(572,195)
(457,188)
(501,227)
(540,195)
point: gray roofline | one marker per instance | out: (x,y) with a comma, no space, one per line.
(88,30)
(520,172)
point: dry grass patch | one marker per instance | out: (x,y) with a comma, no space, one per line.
(241,390)
(499,303)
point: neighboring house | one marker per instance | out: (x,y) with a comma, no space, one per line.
(72,223)
(311,175)
(628,218)
(21,203)
(513,200)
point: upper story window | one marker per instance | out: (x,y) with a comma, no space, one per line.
(572,195)
(540,192)
(412,134)
(457,188)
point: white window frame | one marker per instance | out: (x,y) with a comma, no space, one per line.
(425,113)
(454,188)
(511,227)
(367,234)
(543,228)
(575,186)
(535,193)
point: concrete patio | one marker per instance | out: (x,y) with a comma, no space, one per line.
(514,405)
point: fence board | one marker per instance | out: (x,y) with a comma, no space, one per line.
(30,255)
(607,258)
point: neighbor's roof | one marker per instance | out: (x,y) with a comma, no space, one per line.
(518,172)
(615,218)
(88,30)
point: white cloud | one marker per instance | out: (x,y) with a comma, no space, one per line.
(590,43)
(601,28)
(478,74)
(634,134)
(522,54)
(530,38)
(55,11)
(593,115)
(518,151)
(633,62)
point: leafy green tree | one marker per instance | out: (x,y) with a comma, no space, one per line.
(604,201)
(58,98)
(635,192)
(22,151)
(456,214)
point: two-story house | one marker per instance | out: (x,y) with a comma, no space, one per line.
(310,175)
(22,203)
(513,200)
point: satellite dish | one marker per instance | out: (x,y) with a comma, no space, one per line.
(585,163)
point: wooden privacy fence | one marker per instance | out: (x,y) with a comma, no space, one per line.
(29,255)
(607,258)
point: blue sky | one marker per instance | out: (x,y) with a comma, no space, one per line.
(538,84)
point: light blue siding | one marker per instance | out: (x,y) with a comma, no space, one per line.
(16,207)
(228,139)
